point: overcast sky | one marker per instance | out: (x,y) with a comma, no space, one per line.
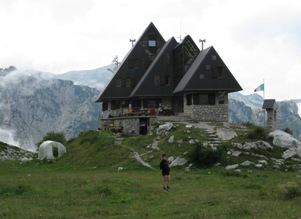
(258,40)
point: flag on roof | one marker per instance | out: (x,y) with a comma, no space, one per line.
(259,88)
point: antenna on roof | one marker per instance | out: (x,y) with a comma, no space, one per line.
(132,41)
(202,41)
(180,31)
(115,60)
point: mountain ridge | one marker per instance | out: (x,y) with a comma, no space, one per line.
(34,103)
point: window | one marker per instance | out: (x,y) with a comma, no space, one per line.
(167,59)
(202,76)
(211,99)
(151,103)
(164,80)
(218,72)
(122,82)
(118,82)
(152,43)
(203,98)
(189,99)
(105,105)
(196,99)
(213,57)
(157,80)
(208,67)
(115,104)
(133,64)
(128,82)
(161,80)
(146,64)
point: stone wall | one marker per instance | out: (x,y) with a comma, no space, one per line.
(128,125)
(218,113)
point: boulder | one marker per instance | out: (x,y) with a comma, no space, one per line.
(253,145)
(231,167)
(292,152)
(247,163)
(166,126)
(225,134)
(178,162)
(171,139)
(263,162)
(284,140)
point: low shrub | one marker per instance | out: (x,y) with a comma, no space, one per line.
(202,156)
(54,136)
(257,133)
(292,191)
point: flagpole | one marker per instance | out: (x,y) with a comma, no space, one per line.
(263,90)
(264,112)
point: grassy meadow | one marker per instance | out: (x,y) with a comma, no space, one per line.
(85,183)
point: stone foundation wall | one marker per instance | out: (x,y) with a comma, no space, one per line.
(128,125)
(218,113)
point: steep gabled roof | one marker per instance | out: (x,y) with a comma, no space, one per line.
(159,67)
(141,53)
(191,71)
(208,72)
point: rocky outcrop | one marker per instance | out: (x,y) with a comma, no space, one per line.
(8,152)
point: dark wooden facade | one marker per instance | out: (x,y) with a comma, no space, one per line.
(160,78)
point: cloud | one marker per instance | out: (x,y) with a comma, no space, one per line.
(7,136)
(15,77)
(256,39)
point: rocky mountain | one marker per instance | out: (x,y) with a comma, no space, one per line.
(242,108)
(248,108)
(34,103)
(97,78)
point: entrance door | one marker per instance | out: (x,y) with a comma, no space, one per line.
(178,106)
(143,123)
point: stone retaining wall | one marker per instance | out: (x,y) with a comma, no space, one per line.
(218,113)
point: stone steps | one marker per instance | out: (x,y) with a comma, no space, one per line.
(213,139)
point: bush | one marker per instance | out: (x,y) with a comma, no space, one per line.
(288,130)
(54,136)
(292,191)
(202,156)
(257,133)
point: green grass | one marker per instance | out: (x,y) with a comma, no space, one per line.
(85,182)
(44,191)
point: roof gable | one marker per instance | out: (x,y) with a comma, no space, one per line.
(134,65)
(208,73)
(158,79)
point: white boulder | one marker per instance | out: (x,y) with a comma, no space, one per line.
(225,134)
(231,167)
(171,139)
(284,140)
(166,126)
(178,162)
(247,163)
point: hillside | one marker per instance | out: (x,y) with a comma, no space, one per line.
(240,145)
(218,171)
